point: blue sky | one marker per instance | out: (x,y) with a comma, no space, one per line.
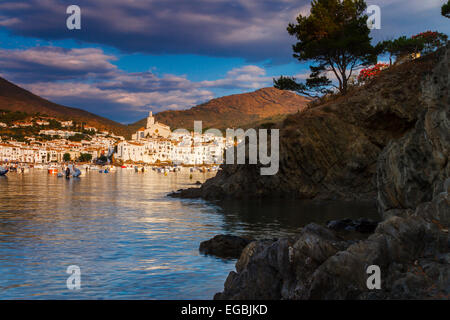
(132,56)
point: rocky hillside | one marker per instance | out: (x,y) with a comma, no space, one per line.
(235,111)
(14,98)
(331,151)
(410,176)
(411,247)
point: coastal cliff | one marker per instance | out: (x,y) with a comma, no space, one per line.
(411,246)
(331,151)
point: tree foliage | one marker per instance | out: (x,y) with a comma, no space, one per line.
(336,37)
(85,157)
(402,47)
(446,9)
(315,86)
(66,157)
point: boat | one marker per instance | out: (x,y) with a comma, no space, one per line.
(52,170)
(76,173)
(3,171)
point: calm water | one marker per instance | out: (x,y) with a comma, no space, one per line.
(128,238)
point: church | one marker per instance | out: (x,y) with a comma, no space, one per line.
(153,129)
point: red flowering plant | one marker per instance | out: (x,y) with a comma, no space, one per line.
(371,72)
(431,40)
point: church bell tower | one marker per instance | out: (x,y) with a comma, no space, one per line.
(150,120)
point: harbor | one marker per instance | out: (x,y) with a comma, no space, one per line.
(78,170)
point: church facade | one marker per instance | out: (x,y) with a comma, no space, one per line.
(154,129)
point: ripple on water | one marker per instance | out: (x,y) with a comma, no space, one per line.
(129,239)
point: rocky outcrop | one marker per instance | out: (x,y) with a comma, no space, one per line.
(414,169)
(411,246)
(224,246)
(331,151)
(412,255)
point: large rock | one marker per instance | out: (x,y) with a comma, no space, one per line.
(267,269)
(224,246)
(411,253)
(413,169)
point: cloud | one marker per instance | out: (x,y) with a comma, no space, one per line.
(246,77)
(87,78)
(53,63)
(254,30)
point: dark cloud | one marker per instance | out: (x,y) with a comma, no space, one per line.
(53,63)
(252,29)
(255,30)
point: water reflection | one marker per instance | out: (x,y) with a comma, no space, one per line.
(262,218)
(129,239)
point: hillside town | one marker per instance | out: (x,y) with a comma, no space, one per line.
(53,141)
(158,144)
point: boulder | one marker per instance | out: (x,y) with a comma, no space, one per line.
(224,246)
(411,253)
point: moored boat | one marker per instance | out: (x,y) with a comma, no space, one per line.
(3,171)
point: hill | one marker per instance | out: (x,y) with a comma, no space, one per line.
(234,111)
(330,151)
(15,98)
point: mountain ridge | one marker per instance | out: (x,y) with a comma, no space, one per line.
(15,98)
(220,113)
(238,110)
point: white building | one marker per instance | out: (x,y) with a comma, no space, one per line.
(67,123)
(178,148)
(153,129)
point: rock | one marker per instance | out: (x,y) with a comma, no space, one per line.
(415,168)
(224,246)
(268,269)
(198,183)
(319,265)
(361,225)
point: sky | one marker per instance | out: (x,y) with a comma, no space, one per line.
(135,56)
